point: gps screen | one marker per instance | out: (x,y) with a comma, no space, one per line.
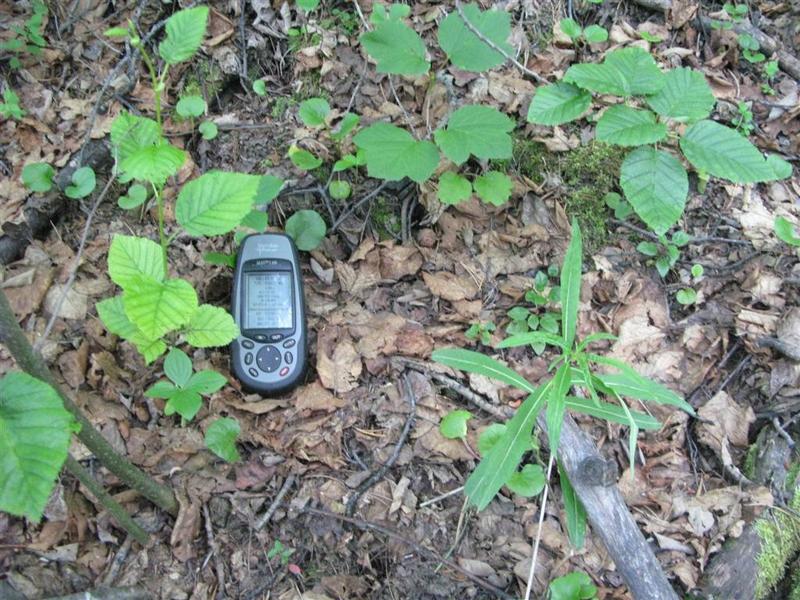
(268,301)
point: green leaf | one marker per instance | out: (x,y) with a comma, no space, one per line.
(346,125)
(697,270)
(303,159)
(493,187)
(625,72)
(781,169)
(83,183)
(307,228)
(162,390)
(573,586)
(558,103)
(686,296)
(454,424)
(532,337)
(478,130)
(308,6)
(38,177)
(186,403)
(475,362)
(453,188)
(136,196)
(528,482)
(396,48)
(112,313)
(268,189)
(571,285)
(221,438)
(656,185)
(611,412)
(256,220)
(130,134)
(220,258)
(178,367)
(595,34)
(465,49)
(116,32)
(786,231)
(339,190)
(627,126)
(648,248)
(686,96)
(576,513)
(489,437)
(210,326)
(314,111)
(185,31)
(392,153)
(157,307)
(721,151)
(557,405)
(260,87)
(208,129)
(215,203)
(35,431)
(191,106)
(130,256)
(155,163)
(571,28)
(206,382)
(501,461)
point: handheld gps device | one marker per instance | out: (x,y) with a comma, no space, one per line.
(269,356)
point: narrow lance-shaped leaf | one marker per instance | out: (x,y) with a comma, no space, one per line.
(556,405)
(571,286)
(611,412)
(576,513)
(475,362)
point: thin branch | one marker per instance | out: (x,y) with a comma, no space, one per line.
(442,497)
(495,47)
(539,528)
(212,543)
(287,484)
(357,205)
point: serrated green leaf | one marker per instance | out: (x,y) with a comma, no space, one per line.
(656,185)
(210,326)
(501,461)
(489,437)
(256,220)
(178,367)
(314,111)
(185,31)
(208,129)
(493,187)
(221,437)
(465,49)
(136,196)
(346,125)
(35,431)
(786,231)
(155,163)
(527,482)
(131,133)
(723,152)
(157,307)
(163,390)
(625,72)
(396,48)
(303,159)
(781,169)
(392,153)
(453,188)
(571,285)
(260,87)
(475,362)
(112,313)
(206,382)
(478,130)
(627,126)
(38,177)
(268,189)
(215,203)
(83,183)
(130,256)
(186,403)
(576,513)
(307,228)
(686,96)
(191,106)
(558,103)
(220,258)
(454,424)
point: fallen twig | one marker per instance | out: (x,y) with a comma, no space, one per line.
(275,503)
(212,543)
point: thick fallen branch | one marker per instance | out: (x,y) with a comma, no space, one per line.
(789,63)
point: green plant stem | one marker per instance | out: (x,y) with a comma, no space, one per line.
(112,506)
(32,363)
(157,85)
(161,238)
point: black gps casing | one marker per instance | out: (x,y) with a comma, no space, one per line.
(269,361)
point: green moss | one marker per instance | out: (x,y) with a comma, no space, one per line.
(749,467)
(385,218)
(794,594)
(210,74)
(780,541)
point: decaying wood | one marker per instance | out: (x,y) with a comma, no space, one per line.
(733,571)
(42,211)
(771,47)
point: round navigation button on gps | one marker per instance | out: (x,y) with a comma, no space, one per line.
(268,359)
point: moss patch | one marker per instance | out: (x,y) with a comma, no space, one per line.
(210,74)
(749,467)
(780,541)
(385,217)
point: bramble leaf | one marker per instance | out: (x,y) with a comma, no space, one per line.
(392,153)
(558,103)
(396,48)
(206,382)
(186,403)
(153,163)
(478,130)
(656,185)
(625,72)
(112,313)
(35,431)
(215,203)
(465,49)
(185,31)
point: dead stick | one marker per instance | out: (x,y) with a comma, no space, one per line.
(275,503)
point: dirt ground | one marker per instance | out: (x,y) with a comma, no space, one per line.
(401,276)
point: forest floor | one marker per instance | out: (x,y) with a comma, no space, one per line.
(401,276)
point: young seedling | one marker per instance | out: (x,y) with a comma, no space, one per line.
(10,107)
(481,332)
(572,586)
(786,231)
(28,39)
(593,34)
(665,252)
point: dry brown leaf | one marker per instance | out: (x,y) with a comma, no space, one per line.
(450,286)
(316,397)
